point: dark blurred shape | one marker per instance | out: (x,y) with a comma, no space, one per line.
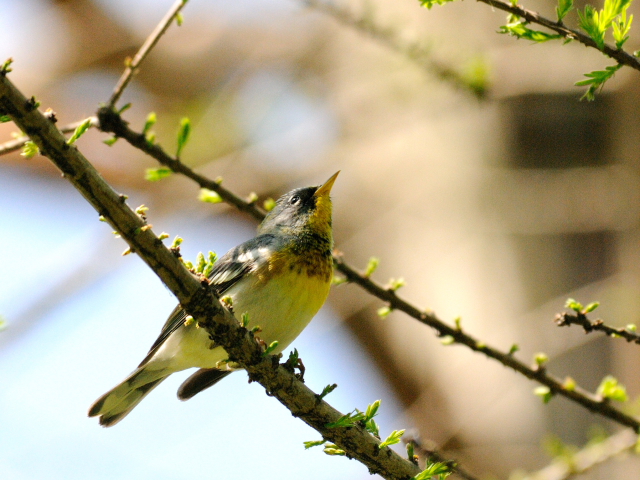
(558,131)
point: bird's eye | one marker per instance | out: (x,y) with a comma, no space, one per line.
(294,200)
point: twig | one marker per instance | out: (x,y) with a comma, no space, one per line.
(619,55)
(149,43)
(111,122)
(539,374)
(587,458)
(195,296)
(567,319)
(18,143)
(411,50)
(431,455)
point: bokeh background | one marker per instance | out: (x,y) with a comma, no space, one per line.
(493,210)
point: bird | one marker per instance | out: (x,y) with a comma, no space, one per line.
(278,280)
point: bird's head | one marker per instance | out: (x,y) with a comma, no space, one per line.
(302,209)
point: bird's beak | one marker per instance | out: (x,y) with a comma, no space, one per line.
(326,187)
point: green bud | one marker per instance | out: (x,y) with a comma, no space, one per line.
(269,204)
(544,393)
(209,196)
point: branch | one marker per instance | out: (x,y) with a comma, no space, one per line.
(112,122)
(431,455)
(456,335)
(18,143)
(587,458)
(150,42)
(567,319)
(194,294)
(619,55)
(413,51)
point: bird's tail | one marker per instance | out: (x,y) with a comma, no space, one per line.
(114,405)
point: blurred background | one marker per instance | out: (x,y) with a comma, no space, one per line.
(494,210)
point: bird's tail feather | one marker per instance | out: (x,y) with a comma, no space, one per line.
(114,405)
(203,378)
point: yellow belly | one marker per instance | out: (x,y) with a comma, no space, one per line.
(281,306)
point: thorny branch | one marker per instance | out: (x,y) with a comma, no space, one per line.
(194,294)
(18,143)
(147,46)
(619,55)
(568,319)
(431,455)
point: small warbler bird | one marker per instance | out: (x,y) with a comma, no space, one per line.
(280,279)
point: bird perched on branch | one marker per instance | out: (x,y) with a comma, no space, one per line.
(279,279)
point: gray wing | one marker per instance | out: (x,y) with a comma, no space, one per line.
(229,270)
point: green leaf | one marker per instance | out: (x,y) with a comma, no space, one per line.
(142,210)
(564,7)
(447,340)
(396,283)
(476,75)
(5,118)
(200,262)
(433,469)
(514,348)
(328,389)
(79,131)
(392,439)
(591,307)
(372,410)
(157,174)
(336,280)
(313,443)
(611,10)
(6,66)
(183,134)
(544,393)
(110,141)
(621,28)
(331,449)
(179,19)
(541,359)
(611,389)
(431,3)
(569,384)
(151,120)
(383,312)
(209,196)
(371,266)
(411,451)
(176,242)
(520,30)
(30,149)
(244,319)
(573,305)
(589,20)
(124,108)
(372,427)
(347,420)
(272,346)
(595,81)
